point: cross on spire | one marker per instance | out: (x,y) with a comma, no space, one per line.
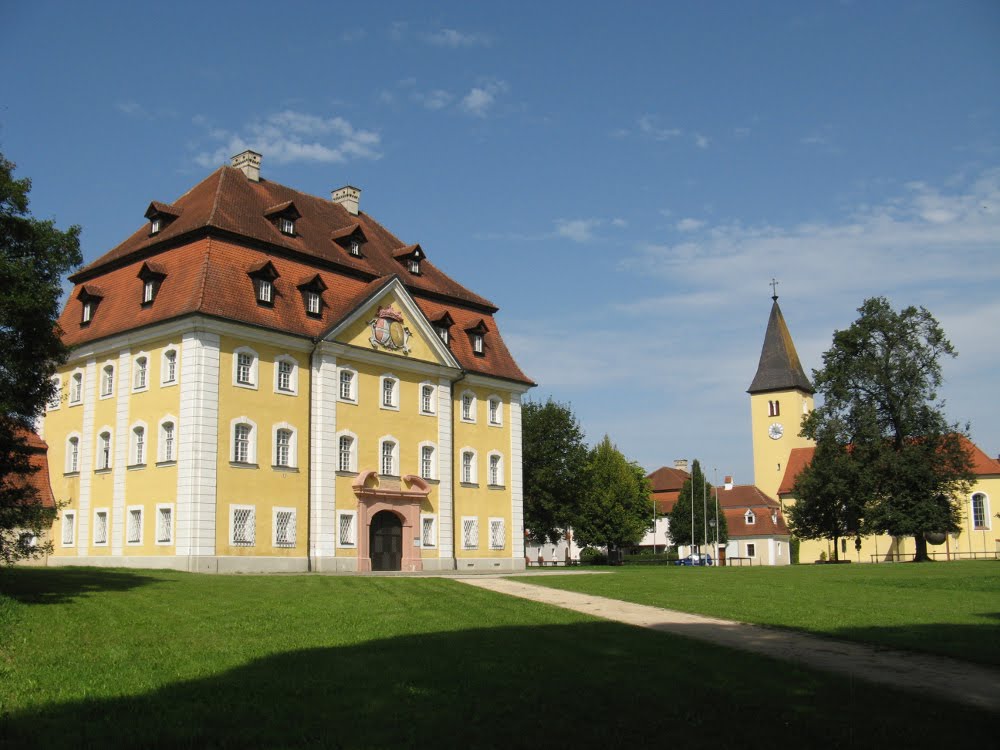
(774,289)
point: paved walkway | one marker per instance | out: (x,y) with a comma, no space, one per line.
(947,678)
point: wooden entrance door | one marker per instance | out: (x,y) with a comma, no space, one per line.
(386,541)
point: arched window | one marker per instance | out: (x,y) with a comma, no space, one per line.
(244,437)
(285,446)
(167,440)
(980,511)
(141,380)
(469,466)
(245,367)
(76,388)
(107,381)
(169,367)
(495,411)
(73,454)
(104,450)
(348,385)
(428,464)
(389,398)
(496,469)
(390,460)
(468,406)
(138,447)
(286,375)
(426,398)
(347,452)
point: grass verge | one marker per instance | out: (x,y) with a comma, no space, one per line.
(163,659)
(951,608)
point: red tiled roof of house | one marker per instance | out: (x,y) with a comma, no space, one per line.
(768,518)
(38,479)
(799,458)
(666,484)
(221,232)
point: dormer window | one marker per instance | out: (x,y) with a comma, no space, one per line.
(477,338)
(152,275)
(90,296)
(264,276)
(442,333)
(442,327)
(284,215)
(160,215)
(351,238)
(410,256)
(312,289)
(750,518)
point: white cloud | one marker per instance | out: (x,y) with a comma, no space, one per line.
(481,98)
(578,230)
(455,38)
(649,126)
(433,100)
(701,141)
(689,225)
(353,35)
(619,223)
(290,136)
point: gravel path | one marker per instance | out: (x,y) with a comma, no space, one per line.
(947,678)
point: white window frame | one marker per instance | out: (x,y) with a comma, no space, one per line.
(751,550)
(164,366)
(469,417)
(494,418)
(107,381)
(107,526)
(499,469)
(254,364)
(352,457)
(353,541)
(161,443)
(393,392)
(136,368)
(68,518)
(477,343)
(355,248)
(99,453)
(133,444)
(160,507)
(466,545)
(443,334)
(88,311)
(434,460)
(252,446)
(502,522)
(433,398)
(235,508)
(55,400)
(148,289)
(986,511)
(397,471)
(155,225)
(352,388)
(293,446)
(286,225)
(129,511)
(287,543)
(263,290)
(293,376)
(314,302)
(473,477)
(424,519)
(72,466)
(76,388)
(750,517)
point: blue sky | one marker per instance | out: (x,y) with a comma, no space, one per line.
(622,181)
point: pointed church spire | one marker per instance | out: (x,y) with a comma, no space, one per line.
(779,368)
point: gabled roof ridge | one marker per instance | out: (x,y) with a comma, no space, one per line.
(218,196)
(203,281)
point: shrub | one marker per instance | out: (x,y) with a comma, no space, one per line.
(592,556)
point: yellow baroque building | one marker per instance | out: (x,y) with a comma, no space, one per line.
(264,380)
(780,395)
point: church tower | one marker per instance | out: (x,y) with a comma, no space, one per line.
(780,395)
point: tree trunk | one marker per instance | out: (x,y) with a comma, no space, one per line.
(920,543)
(836,552)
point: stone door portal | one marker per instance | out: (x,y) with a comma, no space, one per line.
(386,543)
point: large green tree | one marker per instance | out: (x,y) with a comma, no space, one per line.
(554,461)
(879,386)
(697,495)
(615,502)
(828,494)
(34,256)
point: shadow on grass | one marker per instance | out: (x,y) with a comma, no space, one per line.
(979,644)
(589,684)
(56,586)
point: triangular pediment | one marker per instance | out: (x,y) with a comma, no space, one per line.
(387,320)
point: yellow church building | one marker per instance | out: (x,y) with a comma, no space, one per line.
(780,395)
(265,380)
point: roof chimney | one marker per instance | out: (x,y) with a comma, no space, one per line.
(348,196)
(729,483)
(249,163)
(681,464)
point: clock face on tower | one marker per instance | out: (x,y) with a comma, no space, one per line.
(775,431)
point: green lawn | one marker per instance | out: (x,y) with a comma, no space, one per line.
(944,608)
(92,658)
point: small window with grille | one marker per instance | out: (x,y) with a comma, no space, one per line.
(470,533)
(69,528)
(101,528)
(134,528)
(242,526)
(164,524)
(284,527)
(346,536)
(498,535)
(428,532)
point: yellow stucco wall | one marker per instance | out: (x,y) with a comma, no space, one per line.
(770,455)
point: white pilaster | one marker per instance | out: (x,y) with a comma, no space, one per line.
(516,479)
(197,455)
(86,457)
(446,485)
(323,456)
(121,451)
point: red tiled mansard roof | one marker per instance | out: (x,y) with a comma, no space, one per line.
(38,479)
(220,230)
